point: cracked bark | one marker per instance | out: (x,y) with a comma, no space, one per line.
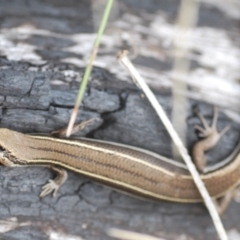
(126,118)
(38,97)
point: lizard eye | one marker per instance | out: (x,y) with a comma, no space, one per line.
(1,149)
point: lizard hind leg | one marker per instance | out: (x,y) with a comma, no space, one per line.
(207,130)
(223,203)
(211,137)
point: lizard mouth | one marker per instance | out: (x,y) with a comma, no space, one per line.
(6,158)
(2,151)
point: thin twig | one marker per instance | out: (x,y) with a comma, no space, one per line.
(183,151)
(89,67)
(187,18)
(129,235)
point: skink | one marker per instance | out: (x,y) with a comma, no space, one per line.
(136,171)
